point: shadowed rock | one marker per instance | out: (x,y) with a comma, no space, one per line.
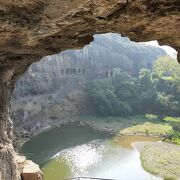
(32,29)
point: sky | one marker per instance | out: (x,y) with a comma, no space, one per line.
(169,50)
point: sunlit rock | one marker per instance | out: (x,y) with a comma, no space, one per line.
(28,169)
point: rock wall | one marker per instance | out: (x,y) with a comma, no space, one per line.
(105,53)
(45,27)
(8,166)
(38,113)
(31,29)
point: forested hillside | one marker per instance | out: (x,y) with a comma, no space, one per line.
(154,91)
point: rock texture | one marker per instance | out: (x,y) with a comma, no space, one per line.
(106,52)
(31,29)
(8,166)
(41,27)
(28,170)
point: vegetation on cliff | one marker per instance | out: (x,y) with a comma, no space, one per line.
(153,91)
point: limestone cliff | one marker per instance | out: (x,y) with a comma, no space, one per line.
(50,92)
(106,52)
(31,29)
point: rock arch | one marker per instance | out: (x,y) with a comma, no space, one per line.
(31,29)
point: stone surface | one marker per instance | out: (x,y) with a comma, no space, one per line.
(31,171)
(105,53)
(28,170)
(39,27)
(8,166)
(30,29)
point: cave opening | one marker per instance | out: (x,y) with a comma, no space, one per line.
(53,93)
(33,29)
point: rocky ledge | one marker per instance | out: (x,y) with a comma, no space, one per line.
(28,170)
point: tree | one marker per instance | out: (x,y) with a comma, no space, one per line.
(166,104)
(166,67)
(167,71)
(101,95)
(145,92)
(151,92)
(124,86)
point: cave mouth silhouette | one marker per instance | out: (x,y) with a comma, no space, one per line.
(9,77)
(75,64)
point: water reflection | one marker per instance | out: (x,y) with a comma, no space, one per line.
(75,150)
(43,146)
(82,158)
(102,159)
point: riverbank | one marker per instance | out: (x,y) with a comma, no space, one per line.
(122,126)
(162,159)
(92,124)
(131,127)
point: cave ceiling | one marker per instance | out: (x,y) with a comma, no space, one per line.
(31,29)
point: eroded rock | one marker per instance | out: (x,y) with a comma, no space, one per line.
(28,170)
(37,28)
(8,166)
(32,29)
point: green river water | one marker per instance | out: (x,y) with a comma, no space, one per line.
(73,150)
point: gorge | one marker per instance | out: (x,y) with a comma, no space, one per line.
(33,29)
(51,101)
(45,96)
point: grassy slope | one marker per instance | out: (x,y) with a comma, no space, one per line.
(134,125)
(162,159)
(149,128)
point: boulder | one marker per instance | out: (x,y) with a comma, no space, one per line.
(28,169)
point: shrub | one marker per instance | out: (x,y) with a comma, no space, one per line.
(151,117)
(175,137)
(174,121)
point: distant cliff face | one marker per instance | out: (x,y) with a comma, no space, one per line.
(51,90)
(106,52)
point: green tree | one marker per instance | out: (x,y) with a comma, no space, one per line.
(124,86)
(166,67)
(166,104)
(151,92)
(101,95)
(167,71)
(145,92)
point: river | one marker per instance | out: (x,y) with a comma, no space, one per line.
(73,150)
